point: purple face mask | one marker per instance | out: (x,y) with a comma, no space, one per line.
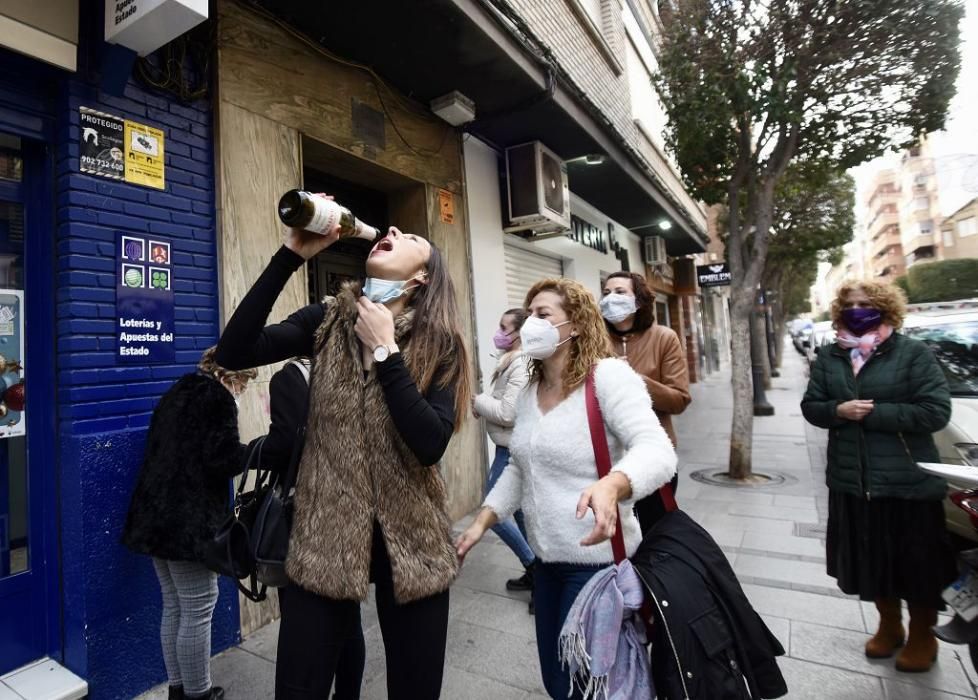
(502,340)
(861,321)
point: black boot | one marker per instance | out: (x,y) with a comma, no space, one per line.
(524,582)
(176,692)
(215,693)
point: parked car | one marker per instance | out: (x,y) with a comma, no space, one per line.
(822,334)
(952,334)
(801,331)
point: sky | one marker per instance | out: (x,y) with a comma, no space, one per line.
(956,148)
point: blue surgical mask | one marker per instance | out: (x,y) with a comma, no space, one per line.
(385,291)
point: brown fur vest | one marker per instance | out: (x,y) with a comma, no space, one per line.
(356,469)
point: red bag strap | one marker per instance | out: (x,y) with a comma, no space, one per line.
(668,497)
(602,455)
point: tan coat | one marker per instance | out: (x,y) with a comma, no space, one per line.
(356,469)
(657,355)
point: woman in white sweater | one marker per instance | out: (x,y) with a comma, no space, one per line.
(498,408)
(552,473)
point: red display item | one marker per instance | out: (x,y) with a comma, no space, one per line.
(14,397)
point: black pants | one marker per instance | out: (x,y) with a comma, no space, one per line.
(315,631)
(650,509)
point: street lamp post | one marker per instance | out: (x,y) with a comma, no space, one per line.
(758,348)
(772,348)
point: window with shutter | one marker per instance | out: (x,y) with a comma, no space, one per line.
(524,268)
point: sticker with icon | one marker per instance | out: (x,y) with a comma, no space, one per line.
(134,276)
(159,278)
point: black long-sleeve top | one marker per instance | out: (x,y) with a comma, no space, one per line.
(288,398)
(425,421)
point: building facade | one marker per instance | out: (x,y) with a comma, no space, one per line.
(959,232)
(920,209)
(886,257)
(69,592)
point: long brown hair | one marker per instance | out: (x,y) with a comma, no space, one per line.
(592,342)
(438,349)
(644,298)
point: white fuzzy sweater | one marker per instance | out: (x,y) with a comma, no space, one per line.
(552,462)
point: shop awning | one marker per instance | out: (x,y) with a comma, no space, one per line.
(427,48)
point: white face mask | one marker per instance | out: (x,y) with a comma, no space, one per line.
(541,338)
(383,291)
(617,307)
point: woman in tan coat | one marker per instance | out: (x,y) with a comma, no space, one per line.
(652,350)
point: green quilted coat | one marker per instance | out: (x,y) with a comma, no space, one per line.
(876,458)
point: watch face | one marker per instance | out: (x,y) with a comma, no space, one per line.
(381,353)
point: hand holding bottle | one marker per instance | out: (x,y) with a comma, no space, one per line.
(308,244)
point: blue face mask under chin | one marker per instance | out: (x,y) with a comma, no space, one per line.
(384,291)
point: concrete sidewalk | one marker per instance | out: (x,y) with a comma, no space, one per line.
(773,536)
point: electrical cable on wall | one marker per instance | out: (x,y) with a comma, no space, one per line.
(182,68)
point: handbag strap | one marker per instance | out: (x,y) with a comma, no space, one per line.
(602,457)
(292,471)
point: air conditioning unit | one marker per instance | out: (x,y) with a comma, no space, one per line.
(538,199)
(655,251)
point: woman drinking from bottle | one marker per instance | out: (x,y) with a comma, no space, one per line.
(388,390)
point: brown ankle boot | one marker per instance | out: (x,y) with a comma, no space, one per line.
(890,635)
(921,650)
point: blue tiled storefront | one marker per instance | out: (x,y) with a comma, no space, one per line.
(78,596)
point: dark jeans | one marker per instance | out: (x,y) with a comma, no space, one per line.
(555,588)
(650,509)
(313,642)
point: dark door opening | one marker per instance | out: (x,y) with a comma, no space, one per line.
(345,260)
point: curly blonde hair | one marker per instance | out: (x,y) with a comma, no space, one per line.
(592,342)
(887,298)
(207,365)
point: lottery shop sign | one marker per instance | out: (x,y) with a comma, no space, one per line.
(144,301)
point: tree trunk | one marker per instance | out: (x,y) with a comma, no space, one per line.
(742,425)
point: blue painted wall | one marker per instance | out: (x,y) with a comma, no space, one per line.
(111,600)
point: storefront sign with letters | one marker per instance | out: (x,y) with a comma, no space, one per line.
(144,301)
(713,275)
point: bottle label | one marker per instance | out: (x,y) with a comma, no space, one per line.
(326,216)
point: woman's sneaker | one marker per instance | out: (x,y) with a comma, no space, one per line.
(524,582)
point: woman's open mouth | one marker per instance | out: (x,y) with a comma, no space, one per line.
(385,245)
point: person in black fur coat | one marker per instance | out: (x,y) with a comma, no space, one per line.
(181,498)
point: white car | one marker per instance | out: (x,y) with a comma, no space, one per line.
(822,334)
(952,335)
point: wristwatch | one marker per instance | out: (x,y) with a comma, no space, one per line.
(382,353)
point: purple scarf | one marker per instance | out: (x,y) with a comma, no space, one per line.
(603,640)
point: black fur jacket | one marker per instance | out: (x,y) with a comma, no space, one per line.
(192,450)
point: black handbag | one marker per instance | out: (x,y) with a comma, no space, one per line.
(273,525)
(230,552)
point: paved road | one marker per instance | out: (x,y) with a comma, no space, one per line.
(773,537)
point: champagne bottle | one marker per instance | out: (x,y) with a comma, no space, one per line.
(300,209)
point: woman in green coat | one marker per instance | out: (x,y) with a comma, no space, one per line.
(881,395)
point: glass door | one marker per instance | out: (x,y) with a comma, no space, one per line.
(23,614)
